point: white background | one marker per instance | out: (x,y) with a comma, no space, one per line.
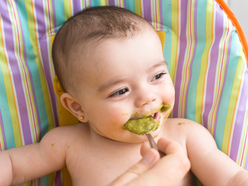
(240,9)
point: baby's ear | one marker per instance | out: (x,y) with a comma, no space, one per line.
(73,106)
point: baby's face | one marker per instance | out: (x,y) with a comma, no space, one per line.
(126,79)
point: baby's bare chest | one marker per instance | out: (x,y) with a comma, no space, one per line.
(99,167)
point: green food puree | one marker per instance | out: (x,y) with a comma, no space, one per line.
(144,125)
(164,107)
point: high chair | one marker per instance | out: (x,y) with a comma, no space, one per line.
(204,46)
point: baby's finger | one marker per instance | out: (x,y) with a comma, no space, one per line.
(148,160)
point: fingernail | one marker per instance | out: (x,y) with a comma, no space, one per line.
(149,157)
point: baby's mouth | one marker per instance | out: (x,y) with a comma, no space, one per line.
(143,125)
(146,124)
(156,116)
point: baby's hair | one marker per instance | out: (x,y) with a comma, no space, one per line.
(88,27)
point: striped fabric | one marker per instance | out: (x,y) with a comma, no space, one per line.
(202,47)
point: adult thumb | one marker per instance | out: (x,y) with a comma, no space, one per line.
(149,160)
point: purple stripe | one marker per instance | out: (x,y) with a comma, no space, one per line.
(41,29)
(124,4)
(229,44)
(111,3)
(191,63)
(239,122)
(213,61)
(182,50)
(58,178)
(54,18)
(7,27)
(246,159)
(76,7)
(4,145)
(147,11)
(161,14)
(33,91)
(45,57)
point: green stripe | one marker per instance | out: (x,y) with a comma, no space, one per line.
(59,13)
(5,105)
(130,5)
(97,3)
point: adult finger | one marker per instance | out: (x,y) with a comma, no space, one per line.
(170,170)
(170,147)
(148,161)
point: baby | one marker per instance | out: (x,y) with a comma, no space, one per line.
(110,63)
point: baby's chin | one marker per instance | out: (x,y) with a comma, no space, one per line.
(135,138)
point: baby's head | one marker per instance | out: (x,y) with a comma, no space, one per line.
(110,63)
(80,34)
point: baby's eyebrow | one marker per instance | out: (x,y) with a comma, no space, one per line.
(161,63)
(110,83)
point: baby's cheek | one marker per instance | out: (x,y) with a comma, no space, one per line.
(169,94)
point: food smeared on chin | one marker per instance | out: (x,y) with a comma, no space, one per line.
(145,125)
(142,125)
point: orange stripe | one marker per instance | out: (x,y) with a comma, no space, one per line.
(238,27)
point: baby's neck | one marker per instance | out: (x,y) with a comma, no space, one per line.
(107,143)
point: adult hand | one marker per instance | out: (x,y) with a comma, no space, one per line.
(151,170)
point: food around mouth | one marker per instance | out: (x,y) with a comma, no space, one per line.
(142,125)
(145,125)
(165,107)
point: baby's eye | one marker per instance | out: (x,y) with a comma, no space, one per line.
(158,76)
(119,92)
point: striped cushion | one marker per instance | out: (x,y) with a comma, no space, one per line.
(203,45)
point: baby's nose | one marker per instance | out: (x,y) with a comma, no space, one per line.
(144,98)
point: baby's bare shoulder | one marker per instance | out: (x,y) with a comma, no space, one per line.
(185,130)
(183,124)
(67,134)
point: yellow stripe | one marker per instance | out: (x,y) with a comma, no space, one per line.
(174,37)
(67,9)
(138,8)
(232,104)
(161,35)
(204,64)
(103,2)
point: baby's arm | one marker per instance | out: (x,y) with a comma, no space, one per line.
(210,165)
(32,161)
